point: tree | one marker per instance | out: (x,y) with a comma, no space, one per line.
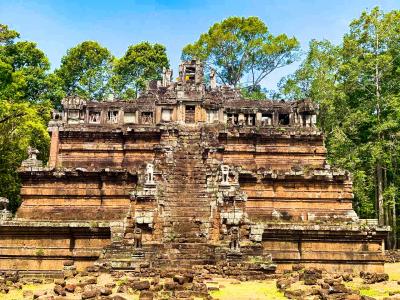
(357,84)
(21,125)
(141,63)
(370,52)
(26,92)
(23,70)
(7,36)
(85,71)
(254,93)
(317,78)
(239,46)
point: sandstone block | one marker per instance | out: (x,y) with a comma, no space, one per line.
(140,285)
(338,288)
(110,285)
(297,267)
(59,290)
(179,279)
(90,280)
(311,276)
(60,282)
(104,291)
(38,293)
(89,294)
(69,262)
(371,278)
(353,297)
(92,269)
(146,295)
(118,297)
(70,288)
(294,294)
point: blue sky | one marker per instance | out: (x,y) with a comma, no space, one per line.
(58,25)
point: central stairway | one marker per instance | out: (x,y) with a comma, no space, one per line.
(187,204)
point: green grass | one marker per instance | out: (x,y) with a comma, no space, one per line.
(16,294)
(250,290)
(381,289)
(393,270)
(373,292)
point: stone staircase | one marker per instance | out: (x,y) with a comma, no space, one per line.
(122,256)
(187,210)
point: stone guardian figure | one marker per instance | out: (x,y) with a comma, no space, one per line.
(213,79)
(225,174)
(149,174)
(4,203)
(137,236)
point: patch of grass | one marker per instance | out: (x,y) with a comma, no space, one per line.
(249,290)
(371,292)
(122,281)
(16,294)
(377,290)
(393,269)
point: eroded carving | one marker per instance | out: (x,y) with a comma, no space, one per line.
(137,238)
(234,244)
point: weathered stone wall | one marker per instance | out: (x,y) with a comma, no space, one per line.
(221,178)
(43,246)
(76,195)
(105,150)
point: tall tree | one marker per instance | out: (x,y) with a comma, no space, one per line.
(317,78)
(23,70)
(21,125)
(85,71)
(26,93)
(141,63)
(360,96)
(239,47)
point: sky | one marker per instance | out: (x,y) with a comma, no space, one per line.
(58,25)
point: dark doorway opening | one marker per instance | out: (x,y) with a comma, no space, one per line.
(189,113)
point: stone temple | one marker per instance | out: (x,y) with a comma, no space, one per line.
(188,174)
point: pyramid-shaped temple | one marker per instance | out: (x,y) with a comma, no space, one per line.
(187,174)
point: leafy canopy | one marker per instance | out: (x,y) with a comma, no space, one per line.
(239,47)
(357,85)
(24,70)
(85,71)
(142,62)
(26,92)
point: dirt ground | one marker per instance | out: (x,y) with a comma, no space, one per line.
(228,289)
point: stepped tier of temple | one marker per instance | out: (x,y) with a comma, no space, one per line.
(187,174)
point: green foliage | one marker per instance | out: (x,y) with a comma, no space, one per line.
(253,94)
(357,87)
(86,70)
(25,105)
(254,289)
(21,125)
(28,92)
(141,63)
(240,46)
(24,70)
(7,36)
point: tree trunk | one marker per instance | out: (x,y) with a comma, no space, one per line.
(379,183)
(379,171)
(394,225)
